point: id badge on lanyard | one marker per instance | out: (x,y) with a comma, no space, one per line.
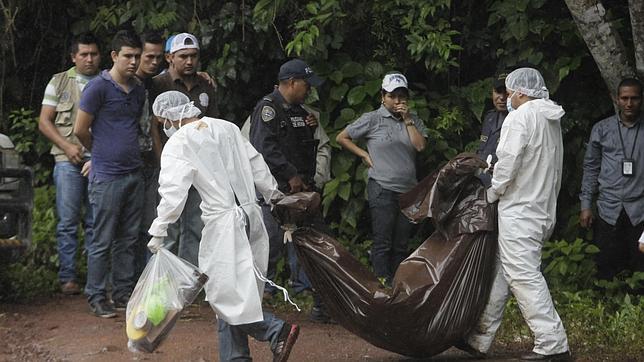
(627,168)
(628,164)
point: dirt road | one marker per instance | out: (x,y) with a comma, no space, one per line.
(61,329)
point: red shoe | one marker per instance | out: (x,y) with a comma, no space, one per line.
(285,342)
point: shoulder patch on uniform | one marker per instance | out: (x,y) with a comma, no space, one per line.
(483,138)
(268,113)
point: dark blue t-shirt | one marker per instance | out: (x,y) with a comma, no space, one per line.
(115,128)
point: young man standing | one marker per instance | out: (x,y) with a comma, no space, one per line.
(56,122)
(151,60)
(111,106)
(614,169)
(182,76)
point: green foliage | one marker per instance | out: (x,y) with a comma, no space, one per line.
(30,143)
(598,328)
(569,264)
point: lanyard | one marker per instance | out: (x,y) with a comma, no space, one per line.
(621,139)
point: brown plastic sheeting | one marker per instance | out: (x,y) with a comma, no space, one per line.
(438,292)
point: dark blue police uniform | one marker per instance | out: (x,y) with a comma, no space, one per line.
(279,132)
(490,134)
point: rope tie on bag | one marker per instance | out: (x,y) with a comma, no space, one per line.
(241,215)
(261,277)
(289,229)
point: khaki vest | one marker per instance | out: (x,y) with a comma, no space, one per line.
(68,100)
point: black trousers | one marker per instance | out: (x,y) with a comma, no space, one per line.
(618,246)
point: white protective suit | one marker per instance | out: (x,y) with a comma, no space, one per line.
(526,181)
(212,155)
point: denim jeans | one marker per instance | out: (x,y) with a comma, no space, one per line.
(299,280)
(71,196)
(390,229)
(185,234)
(233,340)
(148,214)
(117,206)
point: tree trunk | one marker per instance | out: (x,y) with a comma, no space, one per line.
(602,40)
(636,9)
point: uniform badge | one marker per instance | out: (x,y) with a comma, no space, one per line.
(203,99)
(297,122)
(483,138)
(268,113)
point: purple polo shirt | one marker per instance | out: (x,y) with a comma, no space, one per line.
(115,129)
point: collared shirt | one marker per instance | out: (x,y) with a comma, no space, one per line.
(603,171)
(115,128)
(390,148)
(60,94)
(490,133)
(202,93)
(51,97)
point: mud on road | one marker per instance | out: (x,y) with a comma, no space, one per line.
(62,329)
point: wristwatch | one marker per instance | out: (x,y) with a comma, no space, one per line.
(409,123)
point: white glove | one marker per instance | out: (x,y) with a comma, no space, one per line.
(491,196)
(156,243)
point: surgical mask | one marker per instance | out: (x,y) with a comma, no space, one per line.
(169,131)
(508,103)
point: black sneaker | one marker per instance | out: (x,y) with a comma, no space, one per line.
(285,342)
(467,348)
(121,303)
(318,315)
(102,309)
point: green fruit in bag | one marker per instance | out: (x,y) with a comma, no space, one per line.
(155,309)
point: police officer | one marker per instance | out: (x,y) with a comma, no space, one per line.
(282,131)
(492,123)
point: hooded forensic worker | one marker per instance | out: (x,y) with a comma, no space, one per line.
(211,155)
(525,182)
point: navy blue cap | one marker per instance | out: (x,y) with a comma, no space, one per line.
(298,69)
(499,82)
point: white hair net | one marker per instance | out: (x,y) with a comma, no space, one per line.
(174,106)
(527,81)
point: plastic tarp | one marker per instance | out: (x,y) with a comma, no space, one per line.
(439,292)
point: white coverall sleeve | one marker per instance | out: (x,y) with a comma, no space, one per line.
(262,177)
(175,179)
(512,144)
(322,158)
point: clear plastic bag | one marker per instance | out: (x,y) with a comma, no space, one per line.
(167,284)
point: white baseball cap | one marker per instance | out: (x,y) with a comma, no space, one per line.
(184,41)
(392,81)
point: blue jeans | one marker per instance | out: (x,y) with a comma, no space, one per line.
(233,340)
(186,232)
(148,214)
(117,206)
(390,229)
(71,196)
(299,280)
